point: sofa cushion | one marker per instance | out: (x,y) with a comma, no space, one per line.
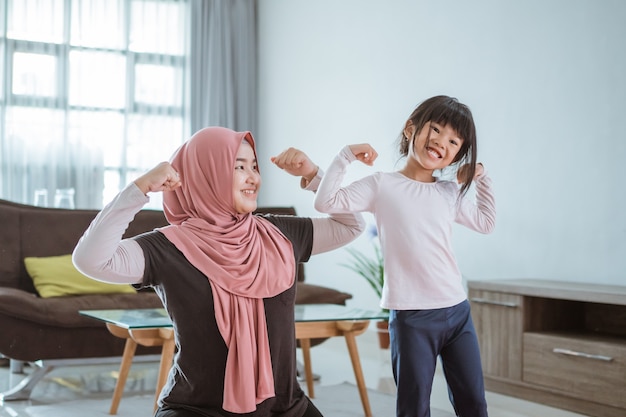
(63,311)
(56,276)
(29,231)
(34,328)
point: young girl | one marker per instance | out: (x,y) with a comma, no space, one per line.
(423,289)
(224,274)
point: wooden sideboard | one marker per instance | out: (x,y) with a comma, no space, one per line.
(558,343)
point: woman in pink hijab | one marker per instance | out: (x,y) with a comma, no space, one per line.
(225,276)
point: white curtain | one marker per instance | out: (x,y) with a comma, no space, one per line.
(52,174)
(99,91)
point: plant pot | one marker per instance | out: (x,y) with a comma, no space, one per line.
(382,328)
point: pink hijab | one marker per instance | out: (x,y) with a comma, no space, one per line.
(244,257)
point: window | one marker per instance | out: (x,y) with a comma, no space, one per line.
(92,95)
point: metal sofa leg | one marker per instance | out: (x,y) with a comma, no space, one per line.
(16,367)
(23,390)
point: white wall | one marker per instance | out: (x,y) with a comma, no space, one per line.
(545,80)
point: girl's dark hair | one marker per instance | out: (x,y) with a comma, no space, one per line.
(448,111)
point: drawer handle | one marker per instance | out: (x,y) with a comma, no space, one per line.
(582,354)
(495,303)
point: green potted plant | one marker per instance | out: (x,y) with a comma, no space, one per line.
(372,269)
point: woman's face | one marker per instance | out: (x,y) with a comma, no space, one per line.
(246,180)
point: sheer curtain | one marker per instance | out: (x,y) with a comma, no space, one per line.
(95,92)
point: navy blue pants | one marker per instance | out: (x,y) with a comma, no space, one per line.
(418,337)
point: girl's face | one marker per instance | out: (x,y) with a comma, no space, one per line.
(435,146)
(246,180)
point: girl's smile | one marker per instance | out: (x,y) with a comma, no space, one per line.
(434,147)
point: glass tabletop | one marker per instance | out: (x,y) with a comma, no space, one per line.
(157,317)
(335,312)
(132,318)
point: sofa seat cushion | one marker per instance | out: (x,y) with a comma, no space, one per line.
(56,276)
(63,311)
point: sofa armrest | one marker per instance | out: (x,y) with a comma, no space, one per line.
(315,294)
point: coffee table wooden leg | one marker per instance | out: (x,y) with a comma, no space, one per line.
(127,360)
(358,372)
(305,344)
(167,356)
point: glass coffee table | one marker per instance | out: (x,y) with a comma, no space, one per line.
(152,327)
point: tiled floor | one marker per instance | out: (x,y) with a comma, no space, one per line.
(330,360)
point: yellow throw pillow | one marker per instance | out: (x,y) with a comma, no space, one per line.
(56,276)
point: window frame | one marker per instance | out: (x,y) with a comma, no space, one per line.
(131,109)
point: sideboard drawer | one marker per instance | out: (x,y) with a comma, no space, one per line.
(592,368)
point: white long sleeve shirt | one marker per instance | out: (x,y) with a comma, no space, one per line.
(414,221)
